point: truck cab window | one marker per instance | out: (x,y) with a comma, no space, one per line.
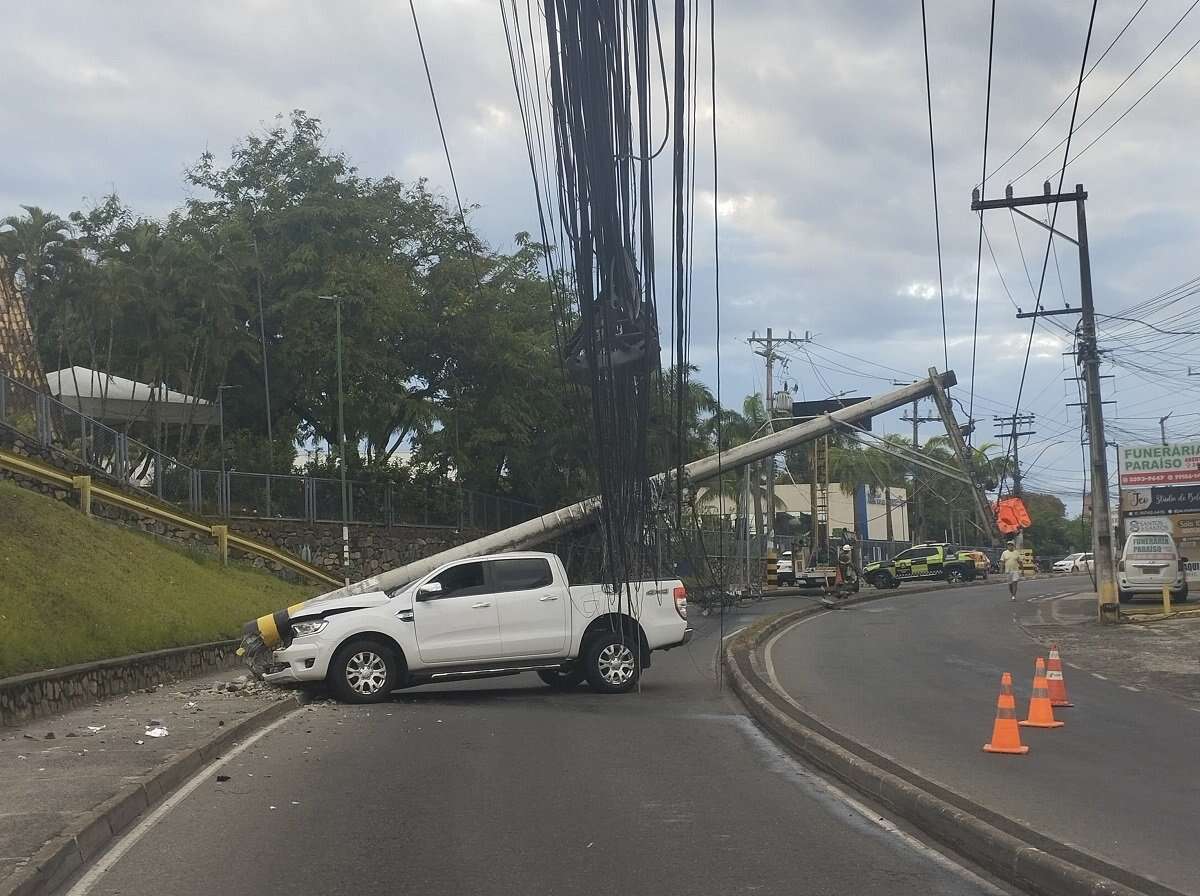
(519,574)
(462,580)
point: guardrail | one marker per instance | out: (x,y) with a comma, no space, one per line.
(90,491)
(236,494)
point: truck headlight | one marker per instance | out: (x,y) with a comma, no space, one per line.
(308,627)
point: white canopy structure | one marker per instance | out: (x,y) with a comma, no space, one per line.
(114,399)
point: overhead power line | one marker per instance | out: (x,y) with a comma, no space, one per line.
(1149,90)
(1067,98)
(937,227)
(1054,216)
(987,113)
(1114,91)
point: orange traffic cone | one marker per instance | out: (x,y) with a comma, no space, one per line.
(1055,683)
(1006,736)
(1041,714)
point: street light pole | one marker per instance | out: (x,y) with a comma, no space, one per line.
(223,488)
(337,303)
(1162,426)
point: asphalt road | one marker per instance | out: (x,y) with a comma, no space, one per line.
(507,787)
(916,677)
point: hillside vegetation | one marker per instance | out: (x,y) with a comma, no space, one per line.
(74,589)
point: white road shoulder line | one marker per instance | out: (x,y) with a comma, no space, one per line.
(127,842)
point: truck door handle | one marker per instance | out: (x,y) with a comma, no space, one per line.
(548,597)
(479,606)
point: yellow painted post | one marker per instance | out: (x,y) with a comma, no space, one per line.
(1166,600)
(221,534)
(772,569)
(84,484)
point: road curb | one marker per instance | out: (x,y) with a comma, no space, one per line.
(96,830)
(1014,853)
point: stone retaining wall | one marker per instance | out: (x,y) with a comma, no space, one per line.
(38,694)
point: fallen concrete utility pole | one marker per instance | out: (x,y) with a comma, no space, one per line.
(534,532)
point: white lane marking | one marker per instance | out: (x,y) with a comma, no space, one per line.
(769,651)
(1101,677)
(127,842)
(738,632)
(1130,687)
(810,779)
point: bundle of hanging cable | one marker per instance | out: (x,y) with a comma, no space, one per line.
(603,55)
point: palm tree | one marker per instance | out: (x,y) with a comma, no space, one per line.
(854,466)
(37,245)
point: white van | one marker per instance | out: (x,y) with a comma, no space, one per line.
(1149,563)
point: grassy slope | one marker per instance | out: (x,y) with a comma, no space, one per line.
(74,589)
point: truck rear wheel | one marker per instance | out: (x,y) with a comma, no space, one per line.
(611,664)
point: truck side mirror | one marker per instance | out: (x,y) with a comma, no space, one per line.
(428,590)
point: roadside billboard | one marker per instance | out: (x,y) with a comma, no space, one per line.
(1158,500)
(1143,466)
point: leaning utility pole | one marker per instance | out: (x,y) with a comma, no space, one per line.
(768,353)
(987,519)
(1089,356)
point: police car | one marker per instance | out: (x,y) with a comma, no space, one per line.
(923,562)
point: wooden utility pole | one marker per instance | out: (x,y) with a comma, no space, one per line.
(1088,356)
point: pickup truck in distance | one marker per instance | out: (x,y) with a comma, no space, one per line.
(475,618)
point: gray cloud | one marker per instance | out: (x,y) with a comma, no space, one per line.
(825,190)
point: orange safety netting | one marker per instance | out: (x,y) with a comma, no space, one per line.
(1011,515)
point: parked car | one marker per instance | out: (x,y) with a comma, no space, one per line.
(1079,562)
(476,618)
(937,561)
(1149,563)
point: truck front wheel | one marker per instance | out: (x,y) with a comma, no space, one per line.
(610,663)
(363,671)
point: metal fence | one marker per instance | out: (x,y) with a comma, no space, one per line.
(235,494)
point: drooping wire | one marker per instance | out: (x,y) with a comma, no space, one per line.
(987,112)
(937,227)
(445,146)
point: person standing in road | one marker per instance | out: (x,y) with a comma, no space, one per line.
(1011,561)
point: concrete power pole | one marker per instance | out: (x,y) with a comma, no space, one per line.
(1089,356)
(768,354)
(914,500)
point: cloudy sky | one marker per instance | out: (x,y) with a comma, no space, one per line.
(825,206)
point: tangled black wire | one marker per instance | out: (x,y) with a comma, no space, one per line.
(603,60)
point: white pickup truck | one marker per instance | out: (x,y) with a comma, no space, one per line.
(474,618)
